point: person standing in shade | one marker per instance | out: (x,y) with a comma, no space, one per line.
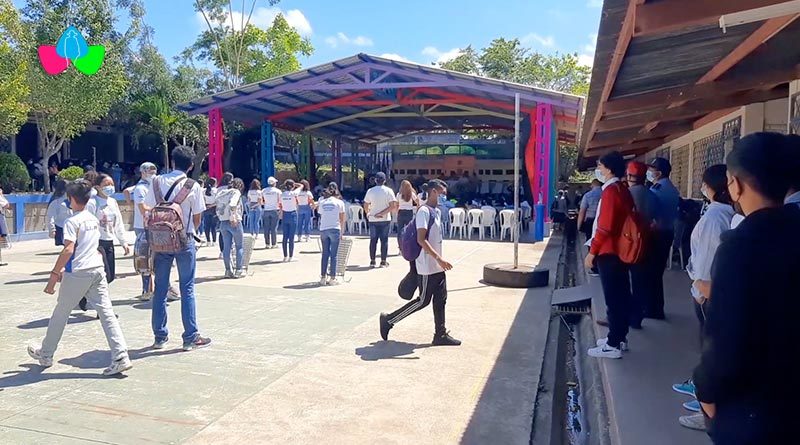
(616,205)
(210,220)
(57,212)
(408,201)
(224,183)
(80,270)
(669,198)
(305,211)
(271,196)
(588,208)
(254,202)
(230,211)
(288,205)
(751,323)
(431,269)
(647,206)
(192,208)
(379,203)
(331,226)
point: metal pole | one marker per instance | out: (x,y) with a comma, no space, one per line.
(515,222)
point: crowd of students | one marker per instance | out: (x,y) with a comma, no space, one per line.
(744,267)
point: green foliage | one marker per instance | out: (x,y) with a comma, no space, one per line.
(567,161)
(508,60)
(71,173)
(13,174)
(14,90)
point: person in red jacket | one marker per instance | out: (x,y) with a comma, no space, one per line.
(616,203)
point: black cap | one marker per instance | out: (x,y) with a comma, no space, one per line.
(661,165)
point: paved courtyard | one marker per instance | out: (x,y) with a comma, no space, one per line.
(291,362)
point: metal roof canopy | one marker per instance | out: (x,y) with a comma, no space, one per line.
(371,99)
(663,68)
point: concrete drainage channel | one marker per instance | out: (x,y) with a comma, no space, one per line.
(570,404)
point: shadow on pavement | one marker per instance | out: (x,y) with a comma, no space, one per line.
(44,272)
(386,350)
(359,268)
(304,286)
(98,359)
(32,280)
(265,262)
(42,322)
(34,374)
(49,253)
(198,280)
(134,303)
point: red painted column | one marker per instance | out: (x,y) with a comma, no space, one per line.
(542,132)
(215,143)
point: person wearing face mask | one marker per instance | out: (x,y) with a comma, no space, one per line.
(616,205)
(105,208)
(647,205)
(705,240)
(751,323)
(669,199)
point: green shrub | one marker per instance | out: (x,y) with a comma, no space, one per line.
(13,174)
(71,173)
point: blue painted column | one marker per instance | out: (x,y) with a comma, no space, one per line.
(267,152)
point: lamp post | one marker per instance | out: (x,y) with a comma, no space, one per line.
(515,222)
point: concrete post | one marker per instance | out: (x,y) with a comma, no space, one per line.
(267,152)
(120,147)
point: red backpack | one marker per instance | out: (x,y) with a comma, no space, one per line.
(630,243)
(166,232)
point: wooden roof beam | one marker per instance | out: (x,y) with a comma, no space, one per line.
(661,131)
(675,15)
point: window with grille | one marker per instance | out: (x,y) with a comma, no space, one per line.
(712,150)
(663,153)
(775,128)
(680,169)
(794,114)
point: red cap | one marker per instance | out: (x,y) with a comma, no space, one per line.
(637,169)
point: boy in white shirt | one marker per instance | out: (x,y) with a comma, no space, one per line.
(272,197)
(80,270)
(379,203)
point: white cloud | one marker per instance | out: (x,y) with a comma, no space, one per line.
(263,18)
(343,39)
(394,56)
(586,57)
(595,3)
(543,41)
(440,56)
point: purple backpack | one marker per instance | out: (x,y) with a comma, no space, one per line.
(409,247)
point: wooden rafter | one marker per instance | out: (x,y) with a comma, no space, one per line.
(667,16)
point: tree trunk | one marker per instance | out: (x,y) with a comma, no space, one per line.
(199,157)
(165,152)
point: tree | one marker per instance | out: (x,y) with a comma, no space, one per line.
(65,104)
(14,90)
(465,62)
(242,52)
(156,115)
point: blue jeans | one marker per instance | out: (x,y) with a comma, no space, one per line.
(289,226)
(145,278)
(162,263)
(379,231)
(330,248)
(232,236)
(270,225)
(305,214)
(254,220)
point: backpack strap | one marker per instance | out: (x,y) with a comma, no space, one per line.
(184,191)
(172,189)
(157,191)
(431,220)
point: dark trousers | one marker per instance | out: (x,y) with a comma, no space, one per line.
(403,218)
(640,292)
(586,228)
(270,225)
(700,310)
(379,230)
(59,236)
(662,241)
(106,249)
(615,280)
(431,288)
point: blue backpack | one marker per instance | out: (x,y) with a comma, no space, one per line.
(409,247)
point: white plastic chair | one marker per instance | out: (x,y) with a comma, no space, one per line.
(506,224)
(475,222)
(357,219)
(489,217)
(458,221)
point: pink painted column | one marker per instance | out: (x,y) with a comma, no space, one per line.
(542,147)
(215,143)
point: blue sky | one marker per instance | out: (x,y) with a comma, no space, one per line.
(422,31)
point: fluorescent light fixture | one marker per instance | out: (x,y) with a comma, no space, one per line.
(759,14)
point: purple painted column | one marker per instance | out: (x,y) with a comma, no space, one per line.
(543,133)
(215,144)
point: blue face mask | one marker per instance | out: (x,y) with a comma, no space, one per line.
(108,190)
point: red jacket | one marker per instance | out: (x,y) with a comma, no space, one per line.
(616,205)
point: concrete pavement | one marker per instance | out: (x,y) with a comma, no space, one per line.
(290,362)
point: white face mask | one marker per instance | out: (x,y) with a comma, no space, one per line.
(599,175)
(651,176)
(108,190)
(704,191)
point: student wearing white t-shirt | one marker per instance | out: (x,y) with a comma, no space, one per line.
(57,212)
(431,268)
(305,204)
(254,202)
(105,208)
(288,205)
(408,201)
(331,227)
(379,203)
(271,198)
(80,270)
(230,211)
(210,221)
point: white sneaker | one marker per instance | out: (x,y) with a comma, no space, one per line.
(36,354)
(623,345)
(145,296)
(286,259)
(323,281)
(173,294)
(290,260)
(605,351)
(693,421)
(118,366)
(333,281)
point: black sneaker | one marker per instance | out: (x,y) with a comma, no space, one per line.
(199,342)
(372,264)
(384,264)
(445,340)
(82,304)
(385,326)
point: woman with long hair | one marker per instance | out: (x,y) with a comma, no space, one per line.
(254,203)
(305,203)
(230,212)
(288,206)
(210,221)
(331,227)
(409,201)
(57,212)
